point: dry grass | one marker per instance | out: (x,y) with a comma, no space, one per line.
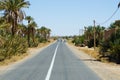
(42,44)
(93,53)
(22,56)
(90,51)
(13,59)
(70,42)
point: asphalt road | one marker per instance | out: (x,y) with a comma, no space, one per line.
(56,62)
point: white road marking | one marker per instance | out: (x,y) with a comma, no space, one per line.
(51,65)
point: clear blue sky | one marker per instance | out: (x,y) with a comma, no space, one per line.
(66,17)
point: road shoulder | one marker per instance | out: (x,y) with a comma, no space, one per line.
(31,53)
(104,70)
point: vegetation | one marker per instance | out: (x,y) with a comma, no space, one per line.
(16,37)
(88,37)
(43,33)
(12,46)
(110,48)
(78,40)
(13,12)
(108,41)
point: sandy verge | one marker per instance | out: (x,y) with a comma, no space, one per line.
(104,70)
(31,53)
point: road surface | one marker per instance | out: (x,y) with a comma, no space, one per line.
(56,62)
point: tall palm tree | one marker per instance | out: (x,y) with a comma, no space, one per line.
(48,33)
(13,11)
(32,26)
(29,19)
(89,33)
(44,32)
(22,30)
(99,32)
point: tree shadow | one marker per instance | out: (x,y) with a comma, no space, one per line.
(89,60)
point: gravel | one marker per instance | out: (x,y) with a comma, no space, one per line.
(107,71)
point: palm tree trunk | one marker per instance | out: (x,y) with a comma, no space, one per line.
(14,25)
(33,35)
(28,37)
(13,29)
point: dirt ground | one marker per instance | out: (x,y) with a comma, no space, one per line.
(31,52)
(107,71)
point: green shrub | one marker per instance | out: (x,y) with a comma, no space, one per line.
(34,44)
(42,40)
(90,43)
(13,46)
(111,47)
(104,46)
(78,40)
(115,51)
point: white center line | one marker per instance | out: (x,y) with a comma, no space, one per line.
(51,65)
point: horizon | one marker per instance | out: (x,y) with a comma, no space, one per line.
(68,17)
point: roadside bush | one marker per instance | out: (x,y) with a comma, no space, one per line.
(90,43)
(78,40)
(42,40)
(34,44)
(115,51)
(111,48)
(12,46)
(104,46)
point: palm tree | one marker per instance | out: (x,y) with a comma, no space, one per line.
(29,19)
(32,26)
(22,30)
(48,33)
(43,32)
(99,32)
(13,11)
(4,26)
(89,33)
(116,25)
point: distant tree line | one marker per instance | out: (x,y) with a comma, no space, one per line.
(107,40)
